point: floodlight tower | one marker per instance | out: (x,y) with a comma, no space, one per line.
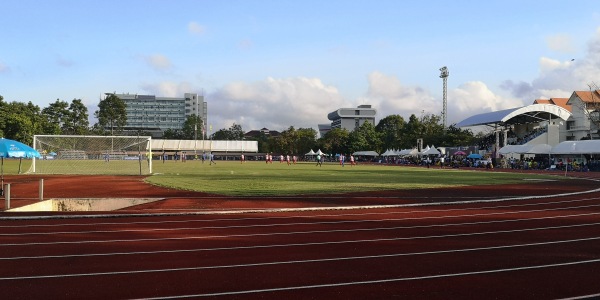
(444,75)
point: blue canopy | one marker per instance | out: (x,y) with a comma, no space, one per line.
(475,156)
(11,148)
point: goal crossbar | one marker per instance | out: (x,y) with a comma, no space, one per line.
(90,154)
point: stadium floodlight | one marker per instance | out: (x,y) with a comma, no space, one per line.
(92,155)
(444,75)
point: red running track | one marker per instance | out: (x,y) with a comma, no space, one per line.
(544,248)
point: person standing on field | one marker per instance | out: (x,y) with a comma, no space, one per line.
(319,161)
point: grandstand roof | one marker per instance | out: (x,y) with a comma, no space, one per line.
(562,102)
(520,115)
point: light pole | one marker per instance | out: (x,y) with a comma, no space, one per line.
(444,75)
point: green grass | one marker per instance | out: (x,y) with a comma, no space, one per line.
(260,179)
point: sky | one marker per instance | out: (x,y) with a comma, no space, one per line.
(282,63)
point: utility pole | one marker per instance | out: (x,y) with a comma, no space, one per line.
(444,75)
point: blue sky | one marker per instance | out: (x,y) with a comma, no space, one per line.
(277,64)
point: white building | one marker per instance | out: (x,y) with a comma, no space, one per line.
(153,115)
(584,123)
(352,118)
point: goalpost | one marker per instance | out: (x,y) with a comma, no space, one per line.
(92,155)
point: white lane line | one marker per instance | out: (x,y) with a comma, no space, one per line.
(594,296)
(339,284)
(399,227)
(298,245)
(301,232)
(300,216)
(335,259)
(296,224)
(306,209)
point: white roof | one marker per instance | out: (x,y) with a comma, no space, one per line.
(430,151)
(366,153)
(204,145)
(526,114)
(577,147)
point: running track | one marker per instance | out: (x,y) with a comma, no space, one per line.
(531,248)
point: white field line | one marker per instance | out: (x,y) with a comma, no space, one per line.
(300,216)
(299,223)
(304,232)
(294,262)
(300,209)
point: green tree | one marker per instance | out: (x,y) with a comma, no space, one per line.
(335,141)
(390,131)
(234,133)
(455,137)
(364,138)
(411,132)
(306,139)
(264,142)
(192,127)
(20,121)
(111,113)
(78,122)
(57,115)
(173,134)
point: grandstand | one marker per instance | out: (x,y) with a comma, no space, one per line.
(533,124)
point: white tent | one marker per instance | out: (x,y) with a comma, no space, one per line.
(311,152)
(408,152)
(577,147)
(365,153)
(538,149)
(319,152)
(390,152)
(510,149)
(430,151)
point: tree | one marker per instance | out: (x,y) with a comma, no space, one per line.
(306,139)
(57,115)
(234,133)
(77,123)
(192,127)
(364,138)
(20,121)
(111,113)
(455,137)
(335,141)
(390,131)
(411,132)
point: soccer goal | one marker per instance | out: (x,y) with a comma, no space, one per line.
(93,155)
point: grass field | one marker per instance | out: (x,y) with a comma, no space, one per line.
(260,179)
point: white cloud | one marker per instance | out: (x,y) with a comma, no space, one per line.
(560,78)
(473,98)
(561,43)
(196,29)
(158,62)
(168,89)
(273,103)
(388,95)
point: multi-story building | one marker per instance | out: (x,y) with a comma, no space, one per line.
(585,121)
(352,118)
(153,115)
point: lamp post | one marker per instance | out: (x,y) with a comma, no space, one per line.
(444,75)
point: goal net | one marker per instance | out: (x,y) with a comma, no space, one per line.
(101,155)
